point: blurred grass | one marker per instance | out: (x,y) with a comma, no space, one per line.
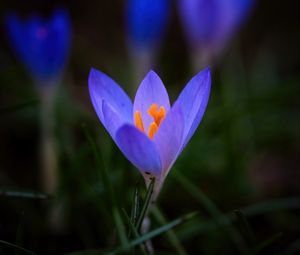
(171,235)
(218,217)
(20,106)
(16,247)
(83,178)
(19,193)
(108,187)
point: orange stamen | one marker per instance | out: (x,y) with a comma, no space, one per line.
(152,130)
(160,115)
(152,110)
(138,121)
(157,115)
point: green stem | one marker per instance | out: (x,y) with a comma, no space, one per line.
(49,160)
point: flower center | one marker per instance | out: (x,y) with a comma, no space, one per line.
(157,115)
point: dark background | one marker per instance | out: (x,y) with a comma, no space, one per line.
(245,151)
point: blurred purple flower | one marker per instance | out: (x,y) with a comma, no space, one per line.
(211,23)
(41,45)
(146,21)
(149,132)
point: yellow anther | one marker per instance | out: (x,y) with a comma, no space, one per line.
(152,130)
(138,121)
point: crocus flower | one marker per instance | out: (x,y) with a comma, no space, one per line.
(146,21)
(210,24)
(150,132)
(42,45)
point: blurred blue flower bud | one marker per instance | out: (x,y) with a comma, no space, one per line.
(42,45)
(209,24)
(147,21)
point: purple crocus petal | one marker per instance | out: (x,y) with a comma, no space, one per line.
(212,23)
(57,40)
(193,101)
(101,88)
(199,19)
(112,120)
(22,38)
(169,137)
(147,21)
(42,45)
(232,14)
(14,31)
(151,91)
(139,149)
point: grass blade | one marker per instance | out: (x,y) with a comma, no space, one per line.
(120,227)
(100,163)
(273,205)
(135,233)
(218,217)
(164,228)
(20,193)
(252,210)
(19,235)
(17,247)
(143,238)
(145,204)
(19,106)
(267,242)
(173,239)
(107,184)
(293,249)
(245,228)
(135,210)
(156,232)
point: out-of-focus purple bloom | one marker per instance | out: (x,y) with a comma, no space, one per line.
(211,23)
(42,45)
(146,21)
(149,132)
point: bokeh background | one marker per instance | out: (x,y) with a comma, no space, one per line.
(244,155)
